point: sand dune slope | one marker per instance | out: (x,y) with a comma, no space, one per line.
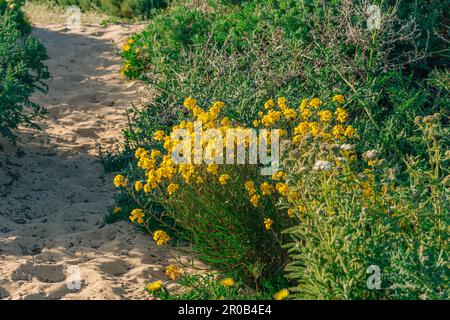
(53,193)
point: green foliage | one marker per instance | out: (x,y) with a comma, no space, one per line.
(351,219)
(248,53)
(21,70)
(207,287)
(226,230)
(245,52)
(120,8)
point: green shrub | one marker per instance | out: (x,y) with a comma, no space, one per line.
(248,53)
(228,212)
(353,218)
(244,54)
(21,70)
(228,230)
(208,287)
(121,8)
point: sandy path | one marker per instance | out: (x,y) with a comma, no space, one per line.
(53,193)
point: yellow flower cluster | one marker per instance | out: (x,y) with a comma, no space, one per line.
(268,223)
(313,118)
(224,179)
(120,181)
(161,237)
(172,188)
(227,282)
(154,286)
(137,215)
(173,272)
(319,124)
(282,294)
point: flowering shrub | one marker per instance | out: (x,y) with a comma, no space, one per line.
(21,69)
(322,201)
(229,211)
(246,53)
(207,287)
(352,220)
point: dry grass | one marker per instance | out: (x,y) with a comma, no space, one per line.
(48,13)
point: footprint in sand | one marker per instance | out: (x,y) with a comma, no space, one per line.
(45,273)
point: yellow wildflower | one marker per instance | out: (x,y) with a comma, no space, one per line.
(250,187)
(282,294)
(224,179)
(266,189)
(199,180)
(325,115)
(216,107)
(155,153)
(137,215)
(126,48)
(271,118)
(161,237)
(350,132)
(289,113)
(338,131)
(341,115)
(304,104)
(138,185)
(372,162)
(339,98)
(168,143)
(255,123)
(305,113)
(190,103)
(282,188)
(225,122)
(212,168)
(117,210)
(268,223)
(156,285)
(280,175)
(269,104)
(293,196)
(254,200)
(172,188)
(282,103)
(302,128)
(173,272)
(315,103)
(159,135)
(227,282)
(290,213)
(120,181)
(301,208)
(315,129)
(138,152)
(147,188)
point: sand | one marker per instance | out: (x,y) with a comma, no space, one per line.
(53,192)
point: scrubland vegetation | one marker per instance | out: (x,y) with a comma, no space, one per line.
(358,208)
(123,8)
(364,114)
(22,71)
